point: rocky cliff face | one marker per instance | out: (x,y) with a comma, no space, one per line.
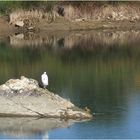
(23,97)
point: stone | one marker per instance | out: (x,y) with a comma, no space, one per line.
(31,28)
(24,84)
(19,23)
(24,97)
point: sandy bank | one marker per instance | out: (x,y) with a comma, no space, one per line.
(62,24)
(68,16)
(5,28)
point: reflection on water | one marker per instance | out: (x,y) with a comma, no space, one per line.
(76,39)
(98,69)
(30,127)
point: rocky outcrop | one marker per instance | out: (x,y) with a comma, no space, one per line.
(19,23)
(24,97)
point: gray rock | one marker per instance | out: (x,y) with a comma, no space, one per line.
(24,84)
(23,97)
(19,23)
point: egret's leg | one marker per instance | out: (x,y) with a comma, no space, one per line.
(45,86)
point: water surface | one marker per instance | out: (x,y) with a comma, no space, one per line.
(97,69)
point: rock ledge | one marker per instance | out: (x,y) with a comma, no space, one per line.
(24,97)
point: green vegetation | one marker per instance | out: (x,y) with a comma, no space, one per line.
(8,6)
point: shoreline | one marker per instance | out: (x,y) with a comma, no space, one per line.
(62,25)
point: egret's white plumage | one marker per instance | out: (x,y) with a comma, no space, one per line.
(44,78)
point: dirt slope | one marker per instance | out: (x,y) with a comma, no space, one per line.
(5,27)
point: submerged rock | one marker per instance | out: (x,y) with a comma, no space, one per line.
(24,97)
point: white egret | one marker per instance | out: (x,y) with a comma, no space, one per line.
(44,79)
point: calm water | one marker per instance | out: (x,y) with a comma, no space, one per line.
(100,70)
